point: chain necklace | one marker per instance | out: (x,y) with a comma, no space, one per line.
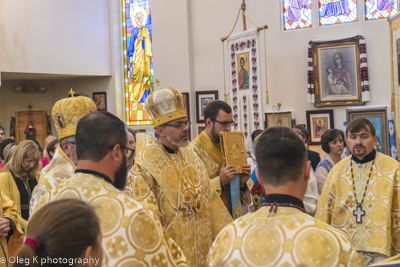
(359,212)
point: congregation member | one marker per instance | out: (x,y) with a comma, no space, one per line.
(218,118)
(281,233)
(312,196)
(360,196)
(2,134)
(8,152)
(66,114)
(132,144)
(46,159)
(332,142)
(170,179)
(131,235)
(66,229)
(18,177)
(52,148)
(251,159)
(2,147)
(311,155)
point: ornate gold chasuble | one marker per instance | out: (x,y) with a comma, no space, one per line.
(59,169)
(379,231)
(131,235)
(289,238)
(176,187)
(211,155)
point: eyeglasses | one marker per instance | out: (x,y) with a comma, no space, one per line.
(129,151)
(180,125)
(225,123)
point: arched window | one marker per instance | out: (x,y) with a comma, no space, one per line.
(138,59)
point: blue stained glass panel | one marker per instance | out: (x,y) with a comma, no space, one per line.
(379,9)
(337,11)
(297,14)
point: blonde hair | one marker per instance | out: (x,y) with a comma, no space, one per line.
(8,150)
(23,150)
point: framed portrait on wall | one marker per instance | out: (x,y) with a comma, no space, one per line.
(336,72)
(100,99)
(200,129)
(318,122)
(378,117)
(278,119)
(202,99)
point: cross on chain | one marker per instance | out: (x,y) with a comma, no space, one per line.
(359,212)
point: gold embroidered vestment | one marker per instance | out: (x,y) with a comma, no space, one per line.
(379,231)
(177,189)
(131,235)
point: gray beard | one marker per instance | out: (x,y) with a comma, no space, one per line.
(180,143)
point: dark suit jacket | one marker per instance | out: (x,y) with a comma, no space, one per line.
(314,158)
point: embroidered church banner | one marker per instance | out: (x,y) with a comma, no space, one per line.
(244,92)
(394,25)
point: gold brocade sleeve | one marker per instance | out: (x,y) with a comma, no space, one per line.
(140,186)
(220,216)
(396,215)
(327,200)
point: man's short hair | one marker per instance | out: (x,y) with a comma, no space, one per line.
(359,124)
(329,136)
(281,155)
(97,133)
(1,128)
(305,133)
(212,109)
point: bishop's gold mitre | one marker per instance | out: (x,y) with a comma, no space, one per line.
(68,111)
(165,105)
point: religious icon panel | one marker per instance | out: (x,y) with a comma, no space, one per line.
(337,11)
(379,9)
(318,122)
(138,59)
(297,14)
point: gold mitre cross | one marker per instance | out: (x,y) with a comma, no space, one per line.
(71,92)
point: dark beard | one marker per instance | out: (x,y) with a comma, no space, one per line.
(121,175)
(214,135)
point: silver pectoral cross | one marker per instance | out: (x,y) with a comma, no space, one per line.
(359,212)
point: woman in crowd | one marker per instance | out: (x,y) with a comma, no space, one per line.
(2,147)
(18,177)
(251,160)
(332,142)
(66,229)
(46,159)
(8,151)
(51,149)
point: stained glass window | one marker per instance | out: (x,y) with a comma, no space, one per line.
(138,59)
(379,9)
(337,11)
(297,14)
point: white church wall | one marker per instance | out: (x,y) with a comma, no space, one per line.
(286,52)
(58,37)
